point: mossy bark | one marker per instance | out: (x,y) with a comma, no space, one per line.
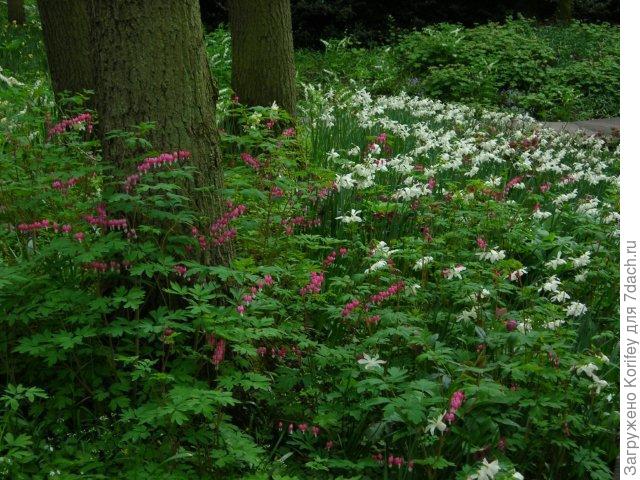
(65,27)
(263,70)
(150,65)
(16,13)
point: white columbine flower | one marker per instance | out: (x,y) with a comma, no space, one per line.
(420,264)
(599,384)
(493,182)
(518,476)
(345,181)
(458,269)
(575,309)
(436,424)
(353,217)
(332,155)
(382,250)
(487,471)
(370,363)
(328,119)
(556,262)
(581,261)
(450,273)
(541,215)
(588,369)
(553,325)
(414,191)
(517,274)
(581,277)
(354,152)
(492,255)
(379,265)
(551,285)
(560,297)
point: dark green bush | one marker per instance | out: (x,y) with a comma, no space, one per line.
(369,21)
(551,72)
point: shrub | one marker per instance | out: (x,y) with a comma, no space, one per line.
(550,72)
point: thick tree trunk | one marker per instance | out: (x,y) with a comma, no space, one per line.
(263,71)
(65,26)
(16,12)
(150,65)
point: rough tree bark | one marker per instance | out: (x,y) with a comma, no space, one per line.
(16,11)
(65,26)
(262,52)
(150,65)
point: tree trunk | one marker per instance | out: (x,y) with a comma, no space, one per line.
(150,65)
(565,11)
(65,26)
(263,71)
(16,12)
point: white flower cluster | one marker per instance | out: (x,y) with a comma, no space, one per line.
(439,150)
(453,138)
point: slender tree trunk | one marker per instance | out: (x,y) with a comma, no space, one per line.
(150,64)
(16,11)
(65,25)
(263,71)
(564,12)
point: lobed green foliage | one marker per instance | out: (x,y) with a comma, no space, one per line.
(111,360)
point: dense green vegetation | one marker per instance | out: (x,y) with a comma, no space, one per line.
(419,289)
(370,21)
(551,72)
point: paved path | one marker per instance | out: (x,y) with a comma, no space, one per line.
(603,126)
